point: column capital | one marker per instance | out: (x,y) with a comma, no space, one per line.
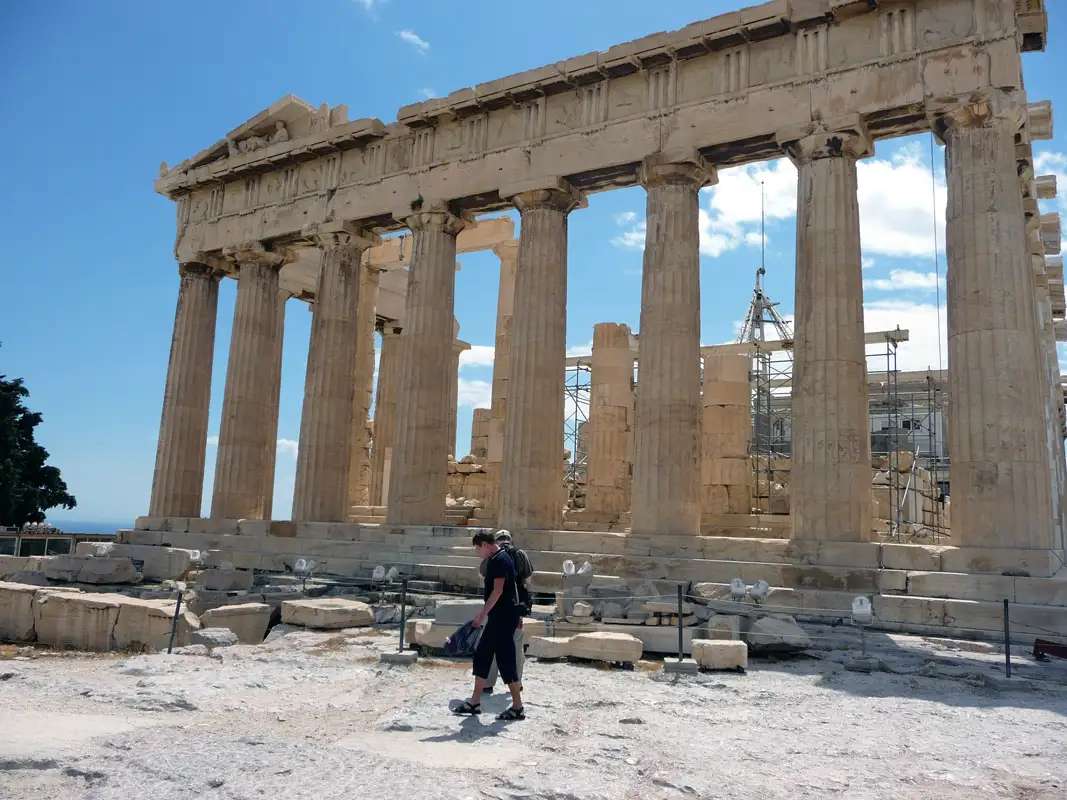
(424,215)
(841,138)
(508,250)
(200,269)
(975,111)
(677,168)
(458,346)
(392,329)
(255,254)
(553,193)
(340,234)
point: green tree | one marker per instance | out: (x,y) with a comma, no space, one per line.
(28,487)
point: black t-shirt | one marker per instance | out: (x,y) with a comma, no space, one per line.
(499,565)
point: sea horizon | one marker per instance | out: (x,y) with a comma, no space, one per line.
(90,526)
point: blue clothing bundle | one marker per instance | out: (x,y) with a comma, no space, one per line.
(464,641)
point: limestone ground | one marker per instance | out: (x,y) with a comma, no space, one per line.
(315,716)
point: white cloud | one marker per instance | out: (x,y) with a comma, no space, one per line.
(480,355)
(426,93)
(213,441)
(367,4)
(898,205)
(905,280)
(477,394)
(574,351)
(412,38)
(1053,164)
(899,202)
(867,263)
(921,322)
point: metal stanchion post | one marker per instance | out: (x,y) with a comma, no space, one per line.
(174,624)
(403,611)
(1007,642)
(681,636)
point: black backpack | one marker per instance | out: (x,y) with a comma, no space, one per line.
(523,570)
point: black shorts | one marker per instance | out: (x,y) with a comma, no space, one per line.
(498,641)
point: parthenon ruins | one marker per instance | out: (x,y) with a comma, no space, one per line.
(294,204)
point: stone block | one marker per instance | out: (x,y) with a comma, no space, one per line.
(725,472)
(822,554)
(717,654)
(16,612)
(214,637)
(283,529)
(605,646)
(457,612)
(70,620)
(146,538)
(960,586)
(903,609)
(146,624)
(777,634)
(660,639)
(328,613)
(87,569)
(912,557)
(892,580)
(1036,563)
(432,634)
(159,563)
(1041,591)
(1046,621)
(723,627)
(253,527)
(216,527)
(224,580)
(548,646)
(9,565)
(248,621)
(666,606)
(176,524)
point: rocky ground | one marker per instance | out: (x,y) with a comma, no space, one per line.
(313,715)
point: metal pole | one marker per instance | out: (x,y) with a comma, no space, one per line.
(174,624)
(1007,642)
(403,611)
(681,639)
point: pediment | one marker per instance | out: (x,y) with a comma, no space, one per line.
(286,120)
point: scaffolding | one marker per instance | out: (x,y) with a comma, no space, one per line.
(576,388)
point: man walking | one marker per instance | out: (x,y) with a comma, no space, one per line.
(524,577)
(500,616)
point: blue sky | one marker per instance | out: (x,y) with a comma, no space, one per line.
(97,94)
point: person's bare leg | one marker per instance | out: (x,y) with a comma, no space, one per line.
(516,695)
(479,684)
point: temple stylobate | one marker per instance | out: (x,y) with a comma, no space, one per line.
(294,204)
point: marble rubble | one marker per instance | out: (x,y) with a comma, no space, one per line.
(363,220)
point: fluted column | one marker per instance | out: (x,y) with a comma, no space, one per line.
(1048,361)
(531,480)
(831,464)
(609,466)
(385,413)
(270,439)
(453,395)
(246,442)
(666,472)
(359,473)
(418,477)
(178,481)
(999,468)
(505,304)
(324,457)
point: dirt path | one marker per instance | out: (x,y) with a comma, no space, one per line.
(315,716)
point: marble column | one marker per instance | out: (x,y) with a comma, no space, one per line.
(324,457)
(508,252)
(247,443)
(270,441)
(385,413)
(999,469)
(666,472)
(831,464)
(1048,360)
(359,473)
(453,396)
(609,468)
(531,478)
(178,481)
(418,476)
